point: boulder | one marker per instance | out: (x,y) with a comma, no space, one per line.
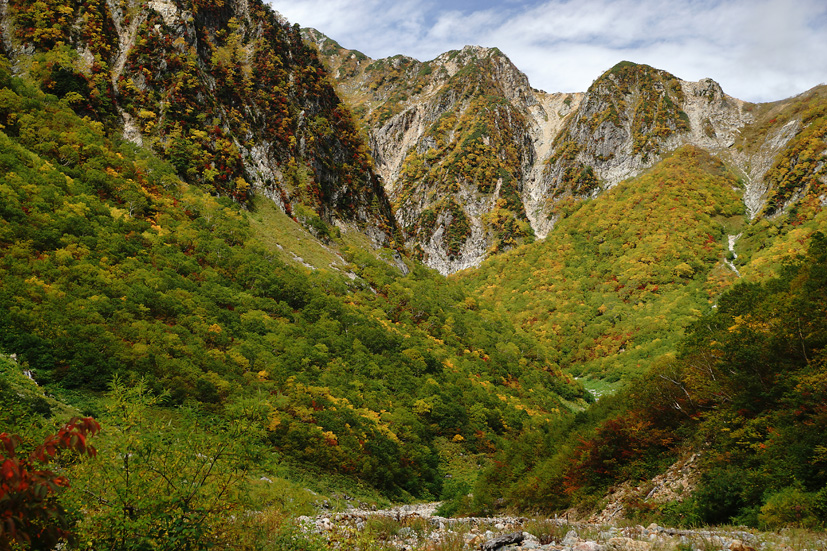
(502,541)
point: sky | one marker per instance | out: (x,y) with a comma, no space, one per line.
(758,50)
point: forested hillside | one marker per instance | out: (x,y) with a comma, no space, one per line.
(132,283)
(229,94)
(745,389)
(212,319)
(611,287)
(711,322)
(113,266)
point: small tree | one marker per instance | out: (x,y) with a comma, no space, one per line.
(164,480)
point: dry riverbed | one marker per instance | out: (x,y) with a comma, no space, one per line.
(414,527)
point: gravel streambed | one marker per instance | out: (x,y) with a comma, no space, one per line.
(415,527)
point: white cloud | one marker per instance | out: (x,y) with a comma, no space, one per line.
(365,25)
(759,50)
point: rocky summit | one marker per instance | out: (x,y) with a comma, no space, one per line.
(476,161)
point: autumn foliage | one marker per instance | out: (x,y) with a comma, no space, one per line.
(29,511)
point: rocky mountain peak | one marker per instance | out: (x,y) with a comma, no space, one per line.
(431,124)
(476,160)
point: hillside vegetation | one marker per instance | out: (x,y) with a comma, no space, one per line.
(615,282)
(746,389)
(232,98)
(723,364)
(210,324)
(124,288)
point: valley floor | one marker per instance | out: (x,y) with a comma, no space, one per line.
(416,527)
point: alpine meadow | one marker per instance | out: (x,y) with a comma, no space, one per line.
(262,292)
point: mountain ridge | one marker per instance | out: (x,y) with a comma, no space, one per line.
(229,93)
(573,145)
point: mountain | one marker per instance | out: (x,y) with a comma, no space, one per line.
(228,93)
(630,117)
(148,278)
(458,142)
(429,123)
(614,282)
(653,203)
(205,248)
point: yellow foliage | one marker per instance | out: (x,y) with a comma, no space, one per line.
(241,185)
(750,323)
(420,407)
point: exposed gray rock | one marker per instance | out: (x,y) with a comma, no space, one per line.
(502,541)
(507,533)
(571,146)
(571,538)
(755,165)
(544,125)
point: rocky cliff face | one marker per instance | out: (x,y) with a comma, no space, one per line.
(631,116)
(227,91)
(782,153)
(457,141)
(476,161)
(473,159)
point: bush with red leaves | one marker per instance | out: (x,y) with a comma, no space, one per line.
(30,514)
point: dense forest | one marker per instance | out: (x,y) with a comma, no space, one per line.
(125,289)
(220,317)
(746,387)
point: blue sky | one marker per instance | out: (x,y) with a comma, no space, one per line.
(759,50)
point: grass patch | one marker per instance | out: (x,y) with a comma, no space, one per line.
(546,530)
(600,388)
(282,235)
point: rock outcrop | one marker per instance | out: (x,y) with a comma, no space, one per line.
(415,527)
(476,161)
(228,92)
(627,121)
(457,141)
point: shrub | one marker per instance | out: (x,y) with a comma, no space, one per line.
(789,507)
(719,498)
(291,538)
(30,513)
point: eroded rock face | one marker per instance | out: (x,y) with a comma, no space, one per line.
(430,123)
(756,164)
(673,485)
(457,140)
(630,118)
(476,161)
(454,156)
(228,93)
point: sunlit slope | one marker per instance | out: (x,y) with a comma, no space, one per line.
(111,266)
(795,185)
(617,279)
